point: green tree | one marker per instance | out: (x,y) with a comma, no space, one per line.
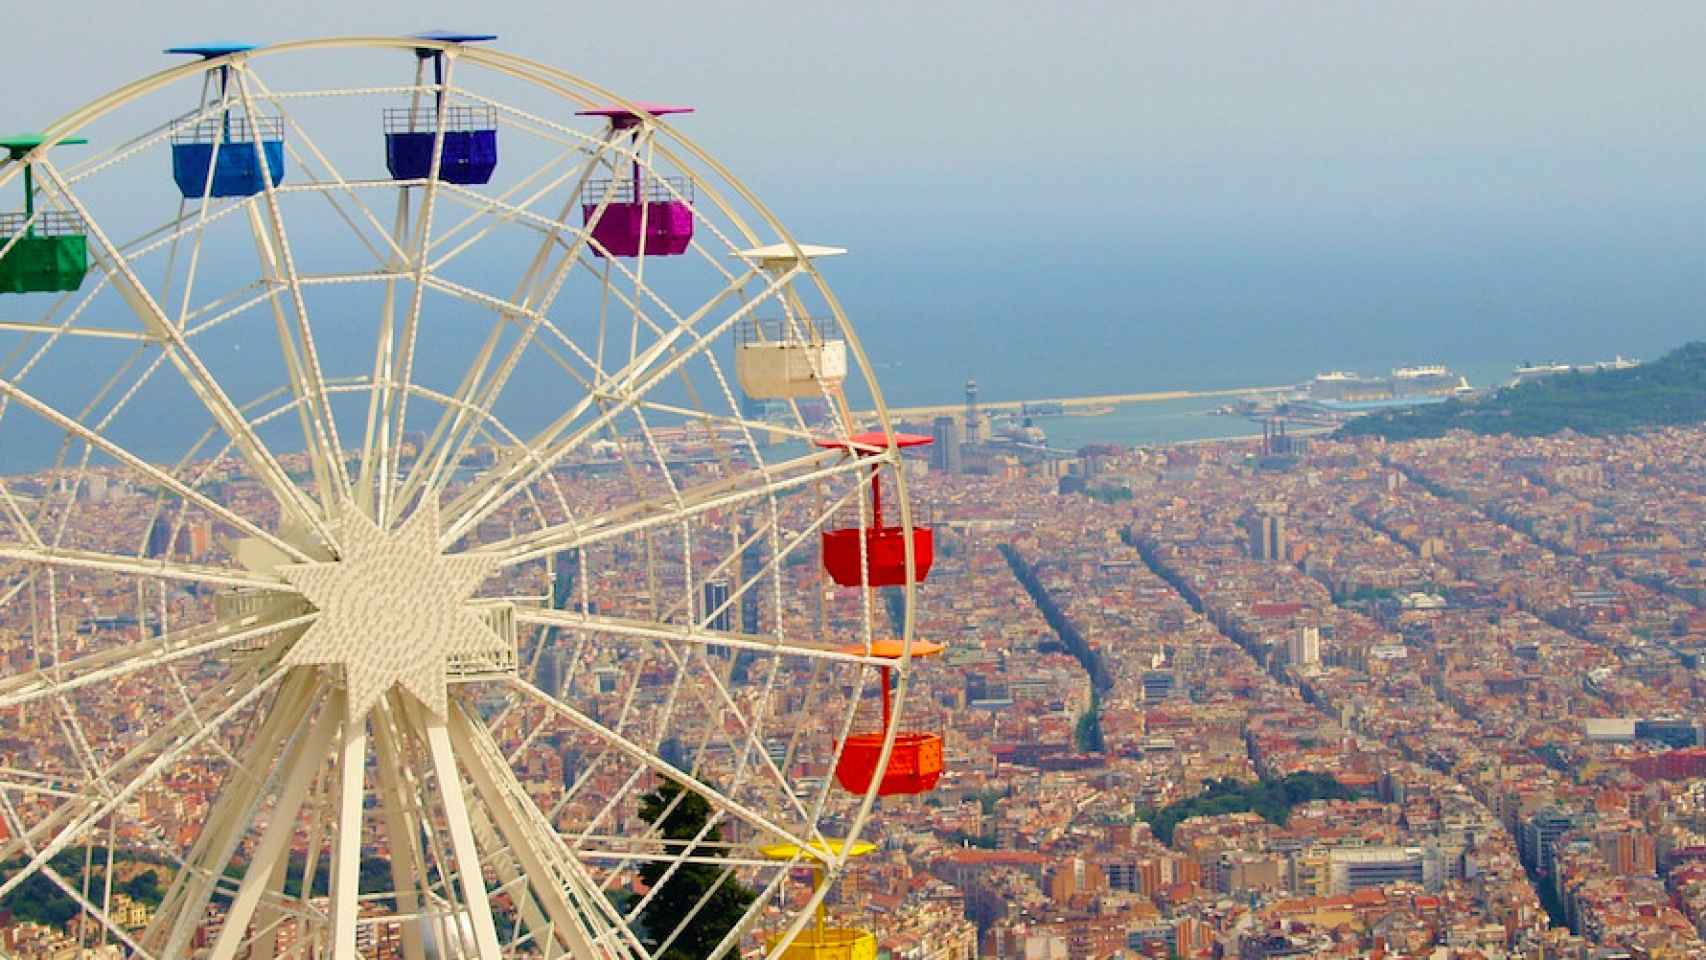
(688,884)
(144,888)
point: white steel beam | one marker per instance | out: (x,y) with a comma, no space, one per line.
(467,855)
(297,771)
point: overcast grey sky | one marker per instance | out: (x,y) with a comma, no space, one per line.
(1283,148)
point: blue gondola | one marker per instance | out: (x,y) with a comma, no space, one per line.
(230,155)
(470,152)
(470,143)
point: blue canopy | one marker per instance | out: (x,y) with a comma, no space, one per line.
(208,51)
(454,36)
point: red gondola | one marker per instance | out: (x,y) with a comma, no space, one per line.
(884,547)
(915,763)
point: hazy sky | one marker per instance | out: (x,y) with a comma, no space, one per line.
(1335,182)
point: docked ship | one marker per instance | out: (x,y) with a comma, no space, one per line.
(1341,391)
(1431,380)
(1530,372)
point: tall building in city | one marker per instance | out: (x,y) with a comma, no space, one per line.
(945,451)
(564,568)
(1304,647)
(751,561)
(159,537)
(1266,527)
(201,538)
(551,671)
(1539,834)
(717,607)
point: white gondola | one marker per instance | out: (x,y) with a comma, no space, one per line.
(790,357)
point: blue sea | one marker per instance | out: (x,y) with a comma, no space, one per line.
(1091,313)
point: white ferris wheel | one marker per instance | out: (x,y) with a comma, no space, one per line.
(434,521)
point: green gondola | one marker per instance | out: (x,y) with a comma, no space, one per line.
(49,253)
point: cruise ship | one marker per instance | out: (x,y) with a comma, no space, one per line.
(1530,372)
(1405,386)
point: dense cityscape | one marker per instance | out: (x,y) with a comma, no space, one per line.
(1487,649)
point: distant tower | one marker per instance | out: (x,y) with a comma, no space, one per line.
(973,424)
(1275,441)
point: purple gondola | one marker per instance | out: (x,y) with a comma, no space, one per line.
(642,214)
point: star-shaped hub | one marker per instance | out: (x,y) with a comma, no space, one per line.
(392,608)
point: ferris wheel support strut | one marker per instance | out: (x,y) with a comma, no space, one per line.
(522,844)
(467,855)
(408,873)
(281,826)
(346,850)
(280,735)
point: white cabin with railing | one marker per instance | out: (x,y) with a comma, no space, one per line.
(793,356)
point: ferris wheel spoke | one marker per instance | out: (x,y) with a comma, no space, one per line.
(301,134)
(481,208)
(553,870)
(513,314)
(94,333)
(402,364)
(323,442)
(195,373)
(638,754)
(650,630)
(163,569)
(311,404)
(648,514)
(68,677)
(85,816)
(536,291)
(621,393)
(711,421)
(72,426)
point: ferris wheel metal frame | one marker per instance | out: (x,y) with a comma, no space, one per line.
(335,690)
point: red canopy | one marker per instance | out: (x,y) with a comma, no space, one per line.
(874,441)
